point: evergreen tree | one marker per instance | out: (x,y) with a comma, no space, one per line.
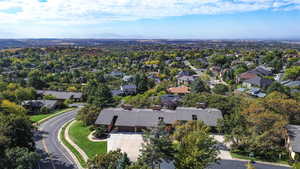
(157,147)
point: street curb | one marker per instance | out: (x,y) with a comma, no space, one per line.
(67,137)
(66,148)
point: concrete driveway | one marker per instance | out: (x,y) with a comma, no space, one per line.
(127,142)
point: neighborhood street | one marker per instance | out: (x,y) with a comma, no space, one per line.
(54,156)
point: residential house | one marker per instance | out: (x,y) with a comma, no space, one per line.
(293,140)
(35,106)
(246,76)
(292,84)
(169,101)
(262,71)
(128,78)
(179,90)
(61,95)
(135,120)
(185,80)
(129,89)
(257,82)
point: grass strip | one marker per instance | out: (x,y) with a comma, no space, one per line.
(71,148)
(39,118)
(244,157)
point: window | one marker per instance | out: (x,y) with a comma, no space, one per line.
(160,118)
(194,117)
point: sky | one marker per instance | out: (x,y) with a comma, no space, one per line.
(150,19)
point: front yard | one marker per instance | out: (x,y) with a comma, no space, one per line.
(79,134)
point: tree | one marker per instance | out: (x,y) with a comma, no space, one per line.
(88,114)
(199,86)
(250,166)
(100,132)
(275,86)
(196,149)
(142,83)
(99,94)
(21,158)
(220,89)
(18,129)
(157,147)
(123,162)
(35,80)
(292,73)
(106,161)
(137,166)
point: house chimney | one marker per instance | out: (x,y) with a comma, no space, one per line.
(127,106)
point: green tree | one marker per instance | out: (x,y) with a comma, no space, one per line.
(220,89)
(99,94)
(196,149)
(88,114)
(105,161)
(199,86)
(35,80)
(157,147)
(275,86)
(21,158)
(250,166)
(292,72)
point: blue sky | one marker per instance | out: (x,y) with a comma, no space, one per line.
(198,19)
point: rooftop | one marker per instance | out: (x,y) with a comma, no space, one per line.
(61,94)
(150,117)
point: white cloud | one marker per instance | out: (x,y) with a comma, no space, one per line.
(95,11)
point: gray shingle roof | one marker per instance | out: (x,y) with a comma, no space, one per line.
(61,95)
(149,117)
(40,103)
(294,134)
(258,81)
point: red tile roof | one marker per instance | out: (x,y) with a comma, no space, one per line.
(179,90)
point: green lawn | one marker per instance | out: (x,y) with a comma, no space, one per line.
(71,148)
(38,117)
(79,133)
(244,157)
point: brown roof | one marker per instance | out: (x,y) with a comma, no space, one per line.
(247,75)
(179,90)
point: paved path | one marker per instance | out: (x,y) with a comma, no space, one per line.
(54,156)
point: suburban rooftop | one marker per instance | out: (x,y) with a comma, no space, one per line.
(149,117)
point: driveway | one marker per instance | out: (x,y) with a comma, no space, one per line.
(127,142)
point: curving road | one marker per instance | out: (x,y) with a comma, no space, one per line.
(54,156)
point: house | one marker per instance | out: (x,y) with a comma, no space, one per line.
(292,84)
(128,78)
(246,76)
(257,82)
(169,101)
(262,71)
(185,80)
(256,92)
(34,106)
(135,120)
(293,140)
(61,95)
(128,89)
(179,90)
(116,74)
(184,73)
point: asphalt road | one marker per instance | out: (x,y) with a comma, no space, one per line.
(54,156)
